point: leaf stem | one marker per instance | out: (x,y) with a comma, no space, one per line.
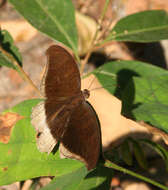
(104,11)
(77,57)
(83,63)
(27,78)
(124,170)
(22,73)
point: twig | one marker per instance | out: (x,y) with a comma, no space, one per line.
(103,33)
(124,170)
(21,72)
(99,46)
(83,63)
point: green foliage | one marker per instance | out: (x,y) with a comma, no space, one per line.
(126,152)
(22,160)
(159,149)
(139,154)
(99,178)
(8,50)
(147,26)
(131,148)
(5,61)
(54,18)
(141,87)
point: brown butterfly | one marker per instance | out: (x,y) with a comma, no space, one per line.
(65,116)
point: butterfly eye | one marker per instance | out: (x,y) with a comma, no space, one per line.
(86,93)
(38,135)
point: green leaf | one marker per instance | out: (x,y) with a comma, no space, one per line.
(5,61)
(147,26)
(112,155)
(21,159)
(54,18)
(142,89)
(98,178)
(126,152)
(159,149)
(68,181)
(7,46)
(139,154)
(150,102)
(115,75)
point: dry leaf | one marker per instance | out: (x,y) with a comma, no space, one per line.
(108,108)
(19,29)
(27,184)
(86,27)
(137,186)
(161,4)
(132,6)
(155,131)
(13,186)
(7,122)
(44,181)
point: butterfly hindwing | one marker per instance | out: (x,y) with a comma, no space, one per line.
(82,139)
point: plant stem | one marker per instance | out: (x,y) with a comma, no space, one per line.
(121,169)
(106,29)
(104,11)
(22,73)
(83,63)
(77,57)
(27,78)
(99,46)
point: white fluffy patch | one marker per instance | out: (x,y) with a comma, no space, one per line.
(45,140)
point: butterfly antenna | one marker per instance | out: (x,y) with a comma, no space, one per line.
(91,83)
(94,78)
(98,88)
(98,72)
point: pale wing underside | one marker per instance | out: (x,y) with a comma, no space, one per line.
(49,129)
(45,140)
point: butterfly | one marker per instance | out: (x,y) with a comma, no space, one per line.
(65,116)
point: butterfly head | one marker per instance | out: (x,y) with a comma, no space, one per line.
(86,93)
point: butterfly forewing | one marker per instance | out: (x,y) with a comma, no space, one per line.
(62,77)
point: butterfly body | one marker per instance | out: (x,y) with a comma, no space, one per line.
(65,115)
(58,113)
